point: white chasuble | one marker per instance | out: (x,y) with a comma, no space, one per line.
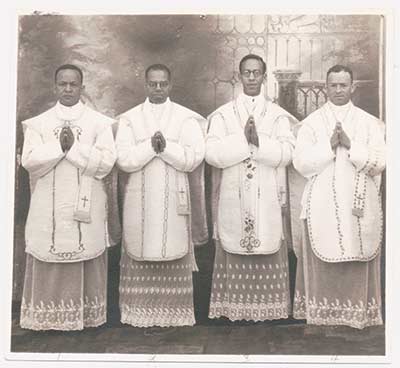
(67,219)
(157,209)
(252,184)
(341,200)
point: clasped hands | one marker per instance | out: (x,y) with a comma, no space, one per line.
(250,131)
(66,138)
(339,138)
(158,142)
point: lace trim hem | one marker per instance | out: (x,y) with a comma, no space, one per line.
(157,317)
(65,316)
(331,313)
(31,324)
(249,311)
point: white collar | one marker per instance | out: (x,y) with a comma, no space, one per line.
(157,106)
(341,113)
(251,99)
(157,110)
(70,113)
(340,108)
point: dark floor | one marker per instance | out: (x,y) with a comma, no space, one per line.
(258,338)
(207,337)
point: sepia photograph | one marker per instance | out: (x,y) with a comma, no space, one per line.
(201,186)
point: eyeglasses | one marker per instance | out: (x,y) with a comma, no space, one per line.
(256,73)
(163,84)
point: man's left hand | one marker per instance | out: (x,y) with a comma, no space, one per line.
(344,138)
(66,138)
(254,137)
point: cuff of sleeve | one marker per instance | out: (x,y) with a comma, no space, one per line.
(172,152)
(147,149)
(56,148)
(326,152)
(358,155)
(269,150)
(321,157)
(143,152)
(79,155)
(93,162)
(238,143)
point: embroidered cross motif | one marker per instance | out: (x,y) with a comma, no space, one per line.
(249,241)
(75,129)
(84,199)
(250,168)
(249,172)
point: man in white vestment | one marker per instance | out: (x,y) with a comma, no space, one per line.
(251,142)
(67,150)
(158,143)
(340,149)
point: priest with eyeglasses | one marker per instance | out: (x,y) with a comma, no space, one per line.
(159,143)
(249,144)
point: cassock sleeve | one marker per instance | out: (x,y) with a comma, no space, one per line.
(38,157)
(222,149)
(276,151)
(96,160)
(310,156)
(132,155)
(369,158)
(186,154)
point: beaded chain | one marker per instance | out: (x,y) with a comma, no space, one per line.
(335,201)
(359,198)
(358,210)
(143,203)
(165,223)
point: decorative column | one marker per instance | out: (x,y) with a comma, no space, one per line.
(288,80)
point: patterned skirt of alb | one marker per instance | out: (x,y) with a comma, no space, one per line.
(64,296)
(251,288)
(156,293)
(345,293)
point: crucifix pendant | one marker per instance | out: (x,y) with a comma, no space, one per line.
(357,212)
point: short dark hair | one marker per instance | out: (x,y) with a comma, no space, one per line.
(339,68)
(253,56)
(68,67)
(161,67)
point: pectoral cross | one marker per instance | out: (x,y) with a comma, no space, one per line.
(84,199)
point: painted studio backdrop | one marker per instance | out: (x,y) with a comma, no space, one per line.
(203,52)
